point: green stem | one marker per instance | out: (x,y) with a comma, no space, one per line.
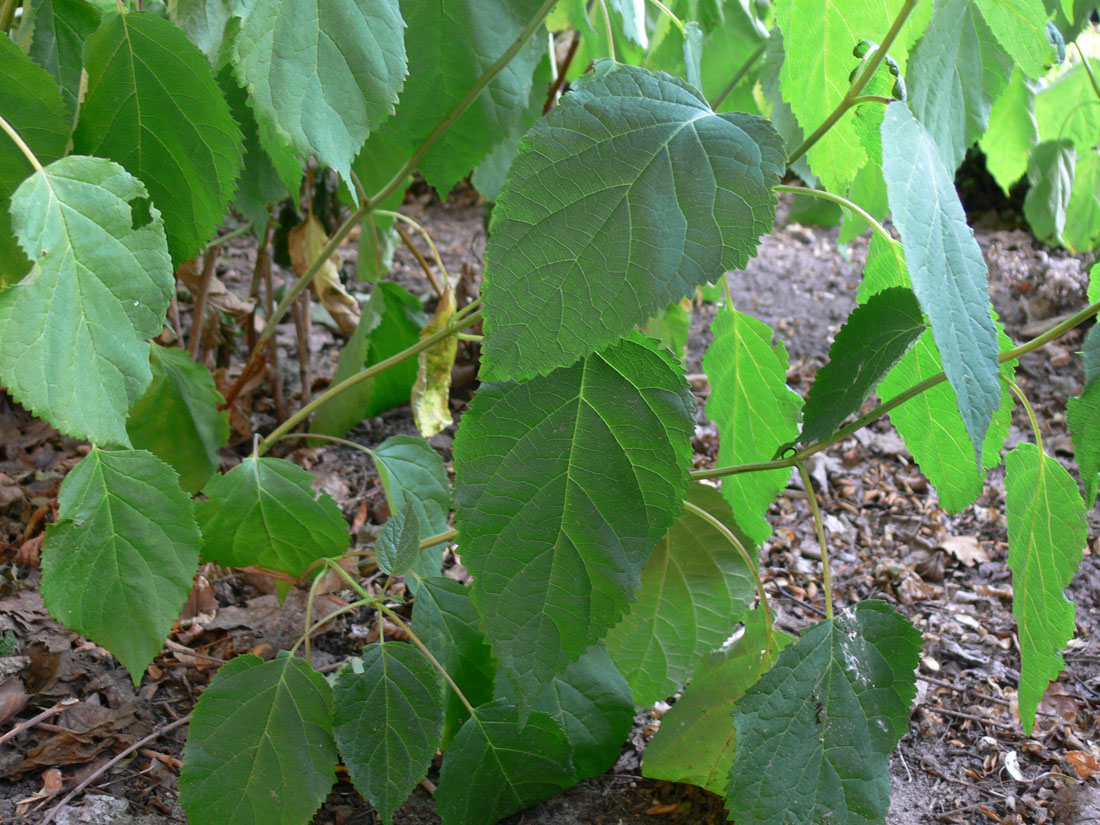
(23,147)
(371,371)
(7,15)
(842,201)
(607,29)
(1019,393)
(1088,69)
(858,84)
(230,235)
(464,104)
(438,538)
(819,528)
(739,76)
(883,99)
(347,442)
(423,233)
(732,539)
(676,20)
(311,629)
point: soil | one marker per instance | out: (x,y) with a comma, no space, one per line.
(964,759)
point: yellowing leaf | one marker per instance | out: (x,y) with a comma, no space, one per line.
(432,389)
(307,240)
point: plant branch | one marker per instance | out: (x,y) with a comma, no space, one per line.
(1088,69)
(23,147)
(231,234)
(819,528)
(397,216)
(7,14)
(738,77)
(842,201)
(559,81)
(607,28)
(676,20)
(1022,396)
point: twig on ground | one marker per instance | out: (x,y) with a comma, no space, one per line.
(64,704)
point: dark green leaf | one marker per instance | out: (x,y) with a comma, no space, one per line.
(1083,418)
(72,340)
(694,590)
(1021,28)
(945,265)
(628,195)
(152,106)
(1050,173)
(1012,132)
(755,412)
(53,33)
(117,566)
(1082,230)
(389,719)
(178,418)
(1046,534)
(843,693)
(510,766)
(563,485)
(264,512)
(398,543)
(260,745)
(871,342)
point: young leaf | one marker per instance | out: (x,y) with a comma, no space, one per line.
(694,590)
(389,719)
(1021,28)
(398,542)
(1082,229)
(563,485)
(606,218)
(260,746)
(512,766)
(696,741)
(178,418)
(1046,534)
(754,410)
(30,102)
(445,620)
(1012,132)
(432,391)
(322,76)
(873,339)
(1065,109)
(52,33)
(153,107)
(843,692)
(117,566)
(945,264)
(264,512)
(1083,418)
(1050,173)
(72,341)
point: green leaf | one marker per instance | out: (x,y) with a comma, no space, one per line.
(1012,132)
(153,107)
(260,745)
(1082,229)
(672,326)
(563,484)
(204,22)
(628,195)
(955,73)
(389,719)
(696,741)
(693,54)
(52,33)
(445,620)
(117,566)
(510,765)
(873,339)
(945,265)
(843,693)
(1021,29)
(178,418)
(1050,173)
(31,103)
(1067,109)
(456,41)
(376,163)
(694,590)
(755,412)
(398,543)
(1046,534)
(322,76)
(72,340)
(1083,418)
(264,512)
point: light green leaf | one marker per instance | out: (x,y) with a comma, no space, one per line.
(398,543)
(389,719)
(1012,132)
(345,410)
(755,412)
(696,741)
(563,484)
(945,265)
(628,195)
(53,33)
(1067,109)
(1050,173)
(633,18)
(693,54)
(153,107)
(178,418)
(843,692)
(117,566)
(31,103)
(72,340)
(1021,29)
(955,73)
(510,765)
(1083,418)
(445,620)
(694,590)
(672,326)
(260,746)
(456,41)
(1046,534)
(322,75)
(873,339)
(204,22)
(1082,229)
(264,512)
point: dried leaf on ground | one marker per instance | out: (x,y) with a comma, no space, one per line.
(306,241)
(966,549)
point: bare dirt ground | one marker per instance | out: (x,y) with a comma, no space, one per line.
(964,759)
